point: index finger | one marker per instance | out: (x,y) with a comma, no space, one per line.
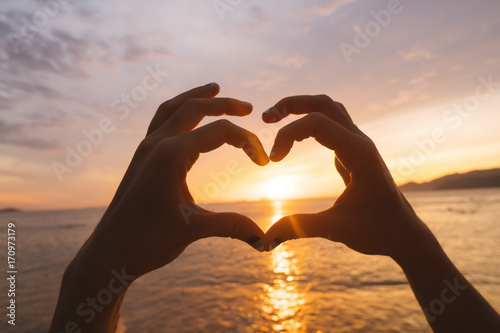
(166,109)
(326,131)
(308,104)
(192,112)
(214,135)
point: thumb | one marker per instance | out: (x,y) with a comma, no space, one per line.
(297,226)
(228,225)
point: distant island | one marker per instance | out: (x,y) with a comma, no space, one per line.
(9,210)
(472,179)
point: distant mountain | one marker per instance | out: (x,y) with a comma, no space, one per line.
(472,179)
(9,210)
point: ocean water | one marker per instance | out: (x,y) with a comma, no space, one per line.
(223,285)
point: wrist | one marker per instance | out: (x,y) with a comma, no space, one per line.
(418,245)
(91,294)
(96,267)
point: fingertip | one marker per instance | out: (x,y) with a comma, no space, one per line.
(228,224)
(257,243)
(248,109)
(259,157)
(270,115)
(213,86)
(279,232)
(263,160)
(254,149)
(265,118)
(274,243)
(273,152)
(276,156)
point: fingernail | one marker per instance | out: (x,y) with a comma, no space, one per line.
(257,243)
(210,84)
(247,103)
(274,243)
(273,151)
(268,111)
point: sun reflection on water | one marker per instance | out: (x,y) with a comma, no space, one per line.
(282,303)
(277,212)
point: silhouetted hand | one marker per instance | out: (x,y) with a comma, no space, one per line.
(371,216)
(153,217)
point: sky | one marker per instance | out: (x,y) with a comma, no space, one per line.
(80,81)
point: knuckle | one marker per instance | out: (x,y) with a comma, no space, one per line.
(324,99)
(286,101)
(316,117)
(340,106)
(223,123)
(165,106)
(367,147)
(146,145)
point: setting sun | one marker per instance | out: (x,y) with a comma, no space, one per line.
(281,187)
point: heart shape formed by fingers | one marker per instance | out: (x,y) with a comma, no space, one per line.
(154,189)
(323,117)
(328,122)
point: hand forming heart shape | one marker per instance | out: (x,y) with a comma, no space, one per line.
(153,203)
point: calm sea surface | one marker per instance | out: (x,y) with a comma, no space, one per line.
(223,285)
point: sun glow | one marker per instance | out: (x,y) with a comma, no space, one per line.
(281,187)
(283,302)
(277,212)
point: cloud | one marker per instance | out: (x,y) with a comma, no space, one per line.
(265,80)
(15,134)
(416,55)
(257,20)
(423,80)
(55,49)
(133,51)
(325,7)
(55,52)
(17,91)
(288,60)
